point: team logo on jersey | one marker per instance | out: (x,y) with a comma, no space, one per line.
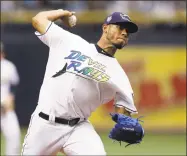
(85,66)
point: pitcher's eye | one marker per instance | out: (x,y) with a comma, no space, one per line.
(121,27)
(126,35)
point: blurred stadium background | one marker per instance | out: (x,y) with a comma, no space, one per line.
(154,60)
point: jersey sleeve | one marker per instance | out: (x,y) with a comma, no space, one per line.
(125,100)
(54,35)
(124,92)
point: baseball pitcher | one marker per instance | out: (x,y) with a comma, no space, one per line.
(79,77)
(9,122)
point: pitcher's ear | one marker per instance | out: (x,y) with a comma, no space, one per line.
(105,28)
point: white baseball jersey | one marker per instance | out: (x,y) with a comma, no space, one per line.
(79,78)
(9,76)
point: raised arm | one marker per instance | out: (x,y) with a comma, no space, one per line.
(41,21)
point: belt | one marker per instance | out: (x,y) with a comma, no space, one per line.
(71,122)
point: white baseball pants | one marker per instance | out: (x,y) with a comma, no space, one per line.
(45,138)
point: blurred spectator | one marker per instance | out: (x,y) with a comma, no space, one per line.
(77,5)
(8,5)
(94,5)
(31,4)
(121,6)
(156,9)
(142,6)
(180,5)
(55,4)
(163,9)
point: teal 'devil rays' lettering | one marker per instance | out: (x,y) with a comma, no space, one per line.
(74,54)
(74,65)
(86,70)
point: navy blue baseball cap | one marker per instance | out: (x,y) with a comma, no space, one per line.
(122,19)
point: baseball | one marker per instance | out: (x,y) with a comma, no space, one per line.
(72,20)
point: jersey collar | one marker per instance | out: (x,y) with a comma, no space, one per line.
(101,51)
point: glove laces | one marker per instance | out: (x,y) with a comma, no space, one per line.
(131,144)
(127,144)
(138,119)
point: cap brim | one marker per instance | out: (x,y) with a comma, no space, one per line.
(130,26)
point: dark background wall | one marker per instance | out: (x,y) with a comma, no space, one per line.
(30,55)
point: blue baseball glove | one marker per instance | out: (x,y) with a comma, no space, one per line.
(126,129)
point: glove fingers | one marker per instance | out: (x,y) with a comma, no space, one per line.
(114,117)
(112,133)
(110,136)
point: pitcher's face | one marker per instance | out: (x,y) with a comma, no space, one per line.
(116,35)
